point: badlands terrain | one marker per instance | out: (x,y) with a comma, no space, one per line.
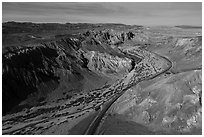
(101,79)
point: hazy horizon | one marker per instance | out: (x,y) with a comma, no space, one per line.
(138,13)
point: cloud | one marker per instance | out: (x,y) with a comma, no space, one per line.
(130,13)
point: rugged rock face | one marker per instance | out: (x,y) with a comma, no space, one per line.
(105,63)
(52,86)
(37,68)
(113,37)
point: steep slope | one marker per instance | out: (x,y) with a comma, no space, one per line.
(169,104)
(41,68)
(74,109)
(184,52)
(48,80)
(108,40)
(107,64)
(37,68)
(64,84)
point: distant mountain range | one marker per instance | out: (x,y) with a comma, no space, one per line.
(189,27)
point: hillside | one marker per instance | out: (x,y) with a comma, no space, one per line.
(100,79)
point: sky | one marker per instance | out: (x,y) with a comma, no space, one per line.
(135,13)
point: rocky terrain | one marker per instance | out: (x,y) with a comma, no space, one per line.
(101,79)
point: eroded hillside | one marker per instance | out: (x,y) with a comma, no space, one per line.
(76,83)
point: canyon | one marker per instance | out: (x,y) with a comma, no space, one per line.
(101,79)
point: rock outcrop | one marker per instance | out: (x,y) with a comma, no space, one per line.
(52,84)
(37,68)
(113,37)
(107,64)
